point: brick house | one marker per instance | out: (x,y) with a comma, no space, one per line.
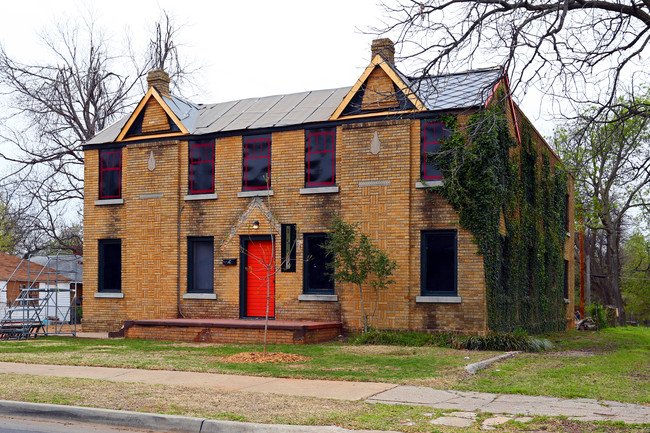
(179,197)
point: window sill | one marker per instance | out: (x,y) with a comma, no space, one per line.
(320,190)
(260,193)
(106,202)
(438,299)
(113,295)
(199,296)
(429,184)
(323,298)
(191,197)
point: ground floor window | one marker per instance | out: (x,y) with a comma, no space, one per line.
(110,265)
(439,263)
(316,274)
(200,265)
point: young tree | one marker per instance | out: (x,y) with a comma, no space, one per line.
(356,260)
(611,164)
(585,50)
(57,105)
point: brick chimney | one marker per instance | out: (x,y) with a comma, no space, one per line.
(385,47)
(159,79)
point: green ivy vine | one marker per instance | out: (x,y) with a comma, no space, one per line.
(491,180)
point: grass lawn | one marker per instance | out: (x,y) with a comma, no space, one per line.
(266,408)
(613,364)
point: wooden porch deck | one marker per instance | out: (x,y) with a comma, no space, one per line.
(230,330)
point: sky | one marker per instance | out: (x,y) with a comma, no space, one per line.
(244,49)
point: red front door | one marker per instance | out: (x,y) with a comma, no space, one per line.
(260,277)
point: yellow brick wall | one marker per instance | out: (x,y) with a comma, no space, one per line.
(391,210)
(380,91)
(155,118)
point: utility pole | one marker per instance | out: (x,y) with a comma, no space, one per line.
(581,241)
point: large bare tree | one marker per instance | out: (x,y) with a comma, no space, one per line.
(54,106)
(580,50)
(611,164)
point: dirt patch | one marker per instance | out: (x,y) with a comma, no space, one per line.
(577,353)
(261,358)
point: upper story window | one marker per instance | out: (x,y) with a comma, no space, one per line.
(110,173)
(320,157)
(432,134)
(257,163)
(201,170)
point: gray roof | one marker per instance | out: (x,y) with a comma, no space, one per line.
(68,265)
(453,91)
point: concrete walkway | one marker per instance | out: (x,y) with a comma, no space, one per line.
(578,409)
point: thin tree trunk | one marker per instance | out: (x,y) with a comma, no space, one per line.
(363,310)
(268,300)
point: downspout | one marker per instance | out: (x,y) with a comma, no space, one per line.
(178,260)
(178,263)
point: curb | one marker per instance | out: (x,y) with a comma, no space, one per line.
(473,368)
(150,421)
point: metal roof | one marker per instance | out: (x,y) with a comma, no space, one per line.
(461,90)
(454,91)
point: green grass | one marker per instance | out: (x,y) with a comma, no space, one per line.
(328,361)
(612,364)
(618,368)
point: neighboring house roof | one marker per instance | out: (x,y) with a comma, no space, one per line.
(69,266)
(28,271)
(446,92)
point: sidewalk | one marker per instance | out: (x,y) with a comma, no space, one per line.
(463,402)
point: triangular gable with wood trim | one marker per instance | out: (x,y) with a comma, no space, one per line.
(152,118)
(379,89)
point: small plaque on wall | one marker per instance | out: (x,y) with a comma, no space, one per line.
(229,262)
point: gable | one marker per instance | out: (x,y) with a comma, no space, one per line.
(379,89)
(151,118)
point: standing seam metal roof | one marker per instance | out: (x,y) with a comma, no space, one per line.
(446,92)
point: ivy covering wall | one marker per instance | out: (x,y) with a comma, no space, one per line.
(492,182)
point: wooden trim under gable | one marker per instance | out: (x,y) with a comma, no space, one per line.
(152,92)
(378,61)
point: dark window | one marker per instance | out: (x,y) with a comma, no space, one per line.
(110,265)
(566,212)
(110,174)
(202,168)
(431,136)
(438,263)
(316,278)
(566,279)
(257,163)
(320,157)
(288,249)
(200,265)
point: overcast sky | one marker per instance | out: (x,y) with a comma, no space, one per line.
(246,49)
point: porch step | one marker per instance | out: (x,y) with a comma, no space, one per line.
(230,330)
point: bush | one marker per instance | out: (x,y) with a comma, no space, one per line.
(598,313)
(496,341)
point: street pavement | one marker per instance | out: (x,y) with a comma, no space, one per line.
(461,401)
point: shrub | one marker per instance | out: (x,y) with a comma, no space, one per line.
(495,341)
